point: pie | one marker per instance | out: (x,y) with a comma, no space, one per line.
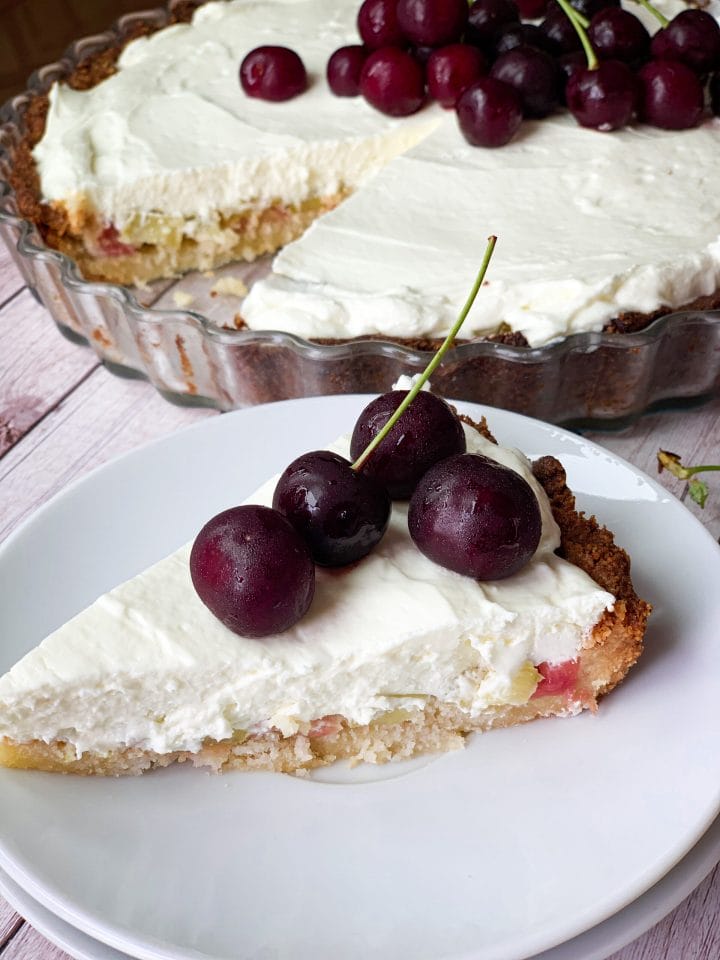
(151,161)
(397,656)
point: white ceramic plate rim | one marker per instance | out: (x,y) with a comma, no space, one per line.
(524,945)
(596,944)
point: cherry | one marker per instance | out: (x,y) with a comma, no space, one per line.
(253,571)
(393,82)
(489,113)
(426,432)
(616,34)
(339,512)
(378,25)
(693,38)
(671,95)
(569,63)
(432,22)
(343,70)
(588,8)
(534,76)
(451,69)
(532,9)
(560,32)
(604,98)
(512,35)
(422,54)
(476,517)
(714,88)
(485,16)
(273,73)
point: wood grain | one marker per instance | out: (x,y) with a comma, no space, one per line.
(103,417)
(28,943)
(10,923)
(38,367)
(10,278)
(694,434)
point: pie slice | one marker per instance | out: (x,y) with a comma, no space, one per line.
(397,656)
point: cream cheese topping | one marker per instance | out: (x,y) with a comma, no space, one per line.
(148,665)
(172,133)
(589,224)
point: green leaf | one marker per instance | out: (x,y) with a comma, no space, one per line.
(698,491)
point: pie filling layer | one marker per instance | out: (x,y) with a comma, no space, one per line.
(394,650)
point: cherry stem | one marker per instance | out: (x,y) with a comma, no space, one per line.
(654,11)
(581,24)
(432,366)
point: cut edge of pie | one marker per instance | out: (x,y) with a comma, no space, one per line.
(607,655)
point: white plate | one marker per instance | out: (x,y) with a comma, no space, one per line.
(596,944)
(527,838)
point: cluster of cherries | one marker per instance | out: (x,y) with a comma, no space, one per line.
(495,68)
(254,567)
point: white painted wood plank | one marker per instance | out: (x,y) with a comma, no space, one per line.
(38,367)
(104,417)
(29,945)
(10,279)
(10,922)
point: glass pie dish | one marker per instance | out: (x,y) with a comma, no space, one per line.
(181,337)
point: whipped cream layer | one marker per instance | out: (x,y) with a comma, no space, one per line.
(589,224)
(148,665)
(173,133)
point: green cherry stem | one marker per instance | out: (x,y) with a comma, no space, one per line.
(581,24)
(432,366)
(654,11)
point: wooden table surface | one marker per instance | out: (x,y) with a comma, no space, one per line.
(62,413)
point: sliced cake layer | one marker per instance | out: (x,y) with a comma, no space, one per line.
(396,656)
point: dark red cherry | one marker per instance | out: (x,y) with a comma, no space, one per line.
(532,9)
(588,8)
(714,88)
(476,517)
(605,98)
(560,32)
(339,512)
(569,64)
(693,38)
(451,69)
(534,76)
(512,35)
(343,70)
(489,113)
(426,432)
(432,23)
(617,34)
(378,26)
(393,82)
(671,95)
(273,73)
(485,16)
(253,571)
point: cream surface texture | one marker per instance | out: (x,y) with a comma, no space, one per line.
(590,224)
(172,133)
(148,665)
